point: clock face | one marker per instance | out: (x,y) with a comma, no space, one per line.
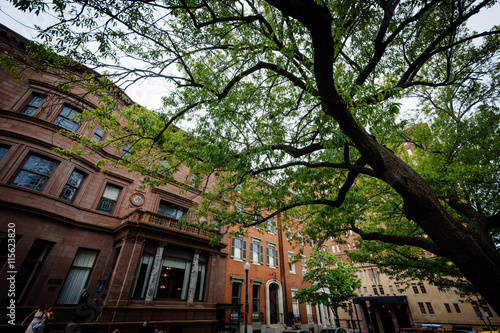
(137,199)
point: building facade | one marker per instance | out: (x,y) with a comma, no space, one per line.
(385,305)
(75,227)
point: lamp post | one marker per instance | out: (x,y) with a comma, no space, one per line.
(247,268)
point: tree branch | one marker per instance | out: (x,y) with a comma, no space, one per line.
(424,243)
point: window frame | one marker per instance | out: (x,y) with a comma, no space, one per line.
(116,201)
(28,103)
(429,307)
(256,243)
(21,168)
(77,188)
(96,138)
(242,248)
(422,308)
(271,247)
(57,121)
(291,262)
(77,289)
(37,265)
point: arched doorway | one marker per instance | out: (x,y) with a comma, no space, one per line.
(274,303)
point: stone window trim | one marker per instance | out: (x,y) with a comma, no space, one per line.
(24,167)
(33,103)
(68,117)
(110,183)
(74,183)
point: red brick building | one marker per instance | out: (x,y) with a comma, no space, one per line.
(76,227)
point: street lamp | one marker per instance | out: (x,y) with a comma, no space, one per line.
(247,268)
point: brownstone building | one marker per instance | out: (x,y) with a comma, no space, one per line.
(76,227)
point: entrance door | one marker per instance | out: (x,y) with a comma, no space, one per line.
(273,303)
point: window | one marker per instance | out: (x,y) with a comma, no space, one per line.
(72,185)
(31,265)
(272,255)
(295,304)
(256,298)
(170,210)
(271,225)
(143,274)
(194,180)
(236,293)
(487,312)
(288,234)
(333,248)
(375,290)
(377,273)
(109,198)
(310,317)
(381,289)
(422,308)
(69,119)
(77,276)
(415,289)
(392,290)
(399,289)
(300,237)
(365,290)
(238,248)
(457,308)
(35,172)
(33,104)
(291,262)
(126,151)
(98,135)
(256,252)
(303,264)
(361,274)
(422,288)
(338,248)
(429,307)
(348,246)
(370,272)
(174,278)
(3,150)
(447,306)
(257,216)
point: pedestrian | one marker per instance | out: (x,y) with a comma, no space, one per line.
(47,320)
(37,322)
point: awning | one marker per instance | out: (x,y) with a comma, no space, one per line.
(381,300)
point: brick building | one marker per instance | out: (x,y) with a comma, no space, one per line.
(77,227)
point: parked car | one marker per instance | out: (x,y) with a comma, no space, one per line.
(296,331)
(333,330)
(465,328)
(436,327)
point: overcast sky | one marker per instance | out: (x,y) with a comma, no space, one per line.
(148,93)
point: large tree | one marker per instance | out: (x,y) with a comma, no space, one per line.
(306,95)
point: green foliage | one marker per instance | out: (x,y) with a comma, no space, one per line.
(332,282)
(300,127)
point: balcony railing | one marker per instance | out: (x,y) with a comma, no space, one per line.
(167,222)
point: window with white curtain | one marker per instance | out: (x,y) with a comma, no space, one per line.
(109,198)
(77,276)
(295,304)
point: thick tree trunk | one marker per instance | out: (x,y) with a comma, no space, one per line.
(475,256)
